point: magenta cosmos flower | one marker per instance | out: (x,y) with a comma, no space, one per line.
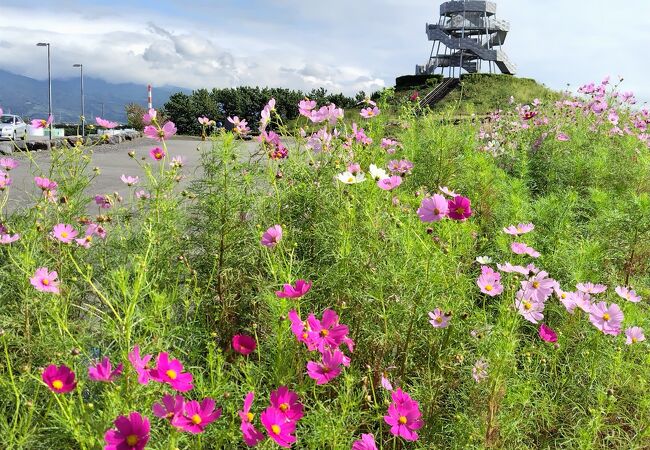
(105,123)
(290,291)
(404,416)
(64,233)
(489,281)
(42,123)
(169,407)
(171,372)
(140,365)
(45,183)
(368,113)
(252,436)
(278,428)
(367,442)
(157,153)
(160,134)
(460,208)
(591,288)
(287,403)
(628,294)
(390,183)
(516,230)
(547,334)
(439,319)
(243,344)
(131,433)
(197,416)
(606,318)
(272,236)
(8,164)
(59,379)
(45,281)
(326,370)
(433,209)
(522,249)
(326,333)
(634,335)
(103,371)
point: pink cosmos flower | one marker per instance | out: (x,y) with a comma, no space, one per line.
(272,236)
(8,164)
(516,230)
(433,209)
(404,416)
(368,113)
(287,403)
(42,123)
(509,268)
(568,300)
(547,334)
(606,318)
(277,427)
(326,370)
(326,333)
(240,125)
(8,238)
(388,143)
(142,195)
(103,371)
(141,365)
(459,208)
(197,416)
(299,328)
(45,184)
(203,120)
(539,287)
(160,134)
(489,281)
(306,106)
(520,248)
(131,433)
(385,382)
(439,319)
(389,183)
(129,181)
(367,442)
(103,201)
(170,407)
(591,288)
(354,168)
(529,308)
(5,181)
(149,116)
(634,335)
(562,137)
(64,233)
(628,294)
(171,372)
(157,153)
(45,281)
(105,123)
(252,436)
(59,380)
(445,190)
(243,344)
(401,167)
(297,291)
(479,370)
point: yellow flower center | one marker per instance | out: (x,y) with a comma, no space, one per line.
(64,234)
(324,332)
(89,238)
(171,374)
(402,420)
(284,407)
(535,284)
(438,319)
(132,440)
(527,305)
(634,340)
(43,123)
(606,317)
(460,210)
(275,429)
(196,419)
(249,416)
(519,229)
(563,295)
(488,287)
(161,133)
(305,335)
(45,281)
(350,179)
(57,384)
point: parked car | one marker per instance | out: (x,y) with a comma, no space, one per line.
(12,127)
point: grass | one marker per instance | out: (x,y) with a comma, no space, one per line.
(183,272)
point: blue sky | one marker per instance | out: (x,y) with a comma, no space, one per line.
(343,45)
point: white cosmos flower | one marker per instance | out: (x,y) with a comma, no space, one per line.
(348,178)
(483,259)
(376,173)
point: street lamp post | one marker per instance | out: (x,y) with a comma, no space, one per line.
(49,82)
(83,112)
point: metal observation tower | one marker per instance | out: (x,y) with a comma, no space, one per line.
(467,35)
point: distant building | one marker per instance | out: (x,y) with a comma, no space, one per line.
(468,35)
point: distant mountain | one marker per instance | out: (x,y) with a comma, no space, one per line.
(28,97)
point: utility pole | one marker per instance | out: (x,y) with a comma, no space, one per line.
(83,112)
(49,83)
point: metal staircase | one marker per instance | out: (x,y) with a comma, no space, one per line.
(439,92)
